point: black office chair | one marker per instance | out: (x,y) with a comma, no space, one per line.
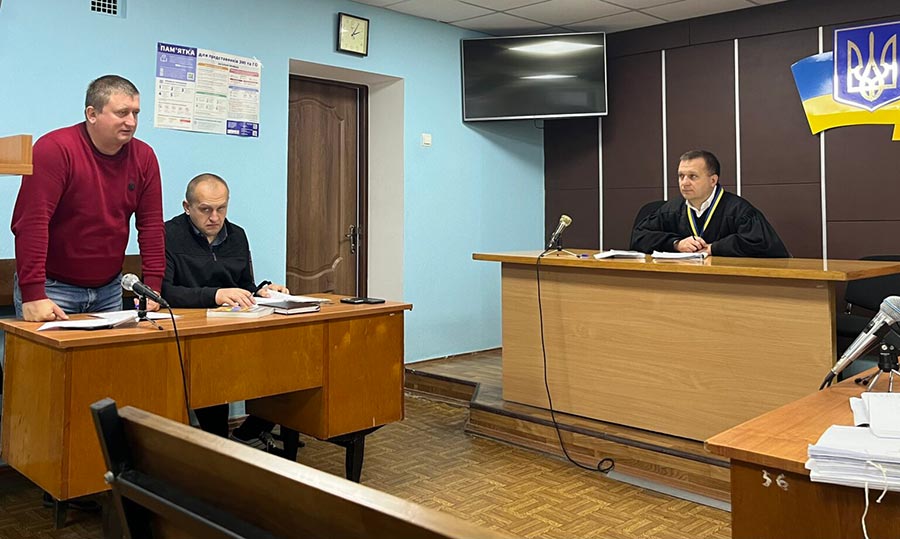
(865,294)
(645,211)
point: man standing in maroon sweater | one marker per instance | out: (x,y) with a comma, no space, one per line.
(71,219)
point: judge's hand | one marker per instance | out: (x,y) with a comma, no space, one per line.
(264,291)
(691,244)
(234,296)
(42,310)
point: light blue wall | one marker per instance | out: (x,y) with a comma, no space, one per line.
(480,187)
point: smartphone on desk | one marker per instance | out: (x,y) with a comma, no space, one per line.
(358,300)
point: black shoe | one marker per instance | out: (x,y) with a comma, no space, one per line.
(88,506)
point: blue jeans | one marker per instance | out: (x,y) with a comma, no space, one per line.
(71,299)
(77,299)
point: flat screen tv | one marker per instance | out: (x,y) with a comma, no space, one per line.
(543,76)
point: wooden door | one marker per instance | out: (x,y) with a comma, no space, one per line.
(326,188)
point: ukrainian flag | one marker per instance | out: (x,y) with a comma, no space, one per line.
(814,76)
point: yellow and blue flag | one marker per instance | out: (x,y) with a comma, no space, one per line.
(855,84)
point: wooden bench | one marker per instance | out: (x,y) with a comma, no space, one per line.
(171,480)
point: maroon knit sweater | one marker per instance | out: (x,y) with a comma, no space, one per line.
(71,218)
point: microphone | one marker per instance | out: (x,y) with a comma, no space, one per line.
(564,221)
(131,283)
(878,327)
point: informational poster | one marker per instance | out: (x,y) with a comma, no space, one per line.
(206,91)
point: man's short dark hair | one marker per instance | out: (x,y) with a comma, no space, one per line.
(712,164)
(99,90)
(197,180)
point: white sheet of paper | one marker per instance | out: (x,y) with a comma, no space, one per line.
(275,297)
(90,323)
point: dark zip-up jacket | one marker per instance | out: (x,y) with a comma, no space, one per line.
(195,271)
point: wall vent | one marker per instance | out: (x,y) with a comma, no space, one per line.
(106,7)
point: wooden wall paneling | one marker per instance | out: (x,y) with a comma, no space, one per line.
(795,212)
(632,132)
(786,17)
(583,206)
(855,239)
(776,143)
(648,39)
(862,169)
(632,144)
(700,105)
(620,206)
(571,153)
(571,178)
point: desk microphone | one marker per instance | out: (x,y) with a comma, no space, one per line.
(131,283)
(878,327)
(564,221)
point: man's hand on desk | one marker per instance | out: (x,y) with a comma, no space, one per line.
(42,310)
(152,306)
(264,291)
(692,244)
(234,296)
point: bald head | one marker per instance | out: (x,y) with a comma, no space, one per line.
(206,203)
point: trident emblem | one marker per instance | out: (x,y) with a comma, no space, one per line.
(866,76)
(869,79)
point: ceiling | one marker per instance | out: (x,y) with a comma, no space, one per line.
(511,17)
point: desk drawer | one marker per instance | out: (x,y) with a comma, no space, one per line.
(232,367)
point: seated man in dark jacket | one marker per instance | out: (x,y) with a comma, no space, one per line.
(708,219)
(208,264)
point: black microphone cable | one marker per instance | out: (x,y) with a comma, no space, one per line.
(606,464)
(192,417)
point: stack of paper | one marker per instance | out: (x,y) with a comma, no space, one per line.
(856,456)
(615,253)
(665,255)
(275,297)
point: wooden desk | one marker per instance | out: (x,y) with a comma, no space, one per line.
(682,348)
(330,373)
(777,444)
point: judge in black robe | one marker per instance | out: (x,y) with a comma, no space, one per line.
(736,228)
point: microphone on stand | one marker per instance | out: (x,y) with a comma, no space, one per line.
(131,283)
(878,327)
(564,221)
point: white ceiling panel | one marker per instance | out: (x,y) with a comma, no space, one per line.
(686,9)
(617,23)
(641,4)
(502,24)
(561,12)
(379,3)
(509,17)
(501,5)
(440,10)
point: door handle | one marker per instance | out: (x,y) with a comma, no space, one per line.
(353,236)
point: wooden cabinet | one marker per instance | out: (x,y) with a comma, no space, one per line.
(15,155)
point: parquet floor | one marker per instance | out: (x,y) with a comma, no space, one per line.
(428,459)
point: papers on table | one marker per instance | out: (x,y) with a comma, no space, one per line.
(856,456)
(276,297)
(89,323)
(879,411)
(103,320)
(616,253)
(665,255)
